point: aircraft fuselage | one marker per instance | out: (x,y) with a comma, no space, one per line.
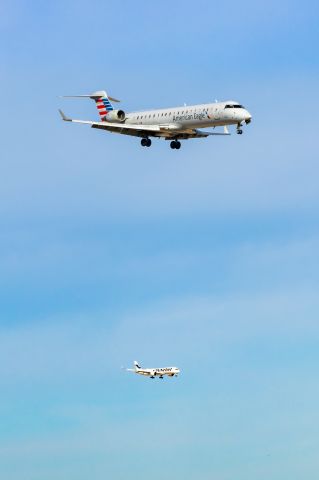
(193,116)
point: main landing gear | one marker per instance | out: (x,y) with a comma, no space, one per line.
(176,144)
(146,142)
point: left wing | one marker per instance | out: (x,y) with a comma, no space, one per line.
(167,131)
(127,129)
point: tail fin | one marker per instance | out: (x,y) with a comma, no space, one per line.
(137,366)
(102,101)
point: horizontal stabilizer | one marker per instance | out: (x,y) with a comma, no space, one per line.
(94,96)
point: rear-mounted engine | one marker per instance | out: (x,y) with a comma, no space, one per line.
(115,116)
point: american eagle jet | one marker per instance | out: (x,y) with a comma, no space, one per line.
(174,124)
(154,372)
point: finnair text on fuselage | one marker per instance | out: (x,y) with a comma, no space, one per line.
(154,372)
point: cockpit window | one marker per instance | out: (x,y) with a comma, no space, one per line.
(234,106)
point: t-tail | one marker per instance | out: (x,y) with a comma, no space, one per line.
(103,104)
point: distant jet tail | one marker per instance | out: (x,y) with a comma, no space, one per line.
(137,366)
(102,101)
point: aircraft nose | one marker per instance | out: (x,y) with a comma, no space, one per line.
(247,117)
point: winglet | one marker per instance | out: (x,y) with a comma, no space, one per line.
(64,117)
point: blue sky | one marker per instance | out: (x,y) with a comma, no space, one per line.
(206,258)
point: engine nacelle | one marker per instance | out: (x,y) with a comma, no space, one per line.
(115,116)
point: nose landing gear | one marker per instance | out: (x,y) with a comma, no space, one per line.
(239,129)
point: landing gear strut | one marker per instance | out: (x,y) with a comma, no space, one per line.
(146,142)
(176,144)
(239,130)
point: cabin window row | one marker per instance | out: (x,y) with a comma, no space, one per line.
(140,117)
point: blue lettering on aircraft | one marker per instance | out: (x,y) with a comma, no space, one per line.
(195,116)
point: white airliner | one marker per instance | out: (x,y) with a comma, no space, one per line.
(174,124)
(154,372)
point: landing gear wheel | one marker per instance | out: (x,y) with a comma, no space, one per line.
(239,131)
(176,144)
(146,142)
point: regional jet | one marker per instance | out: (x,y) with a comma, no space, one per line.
(173,124)
(154,372)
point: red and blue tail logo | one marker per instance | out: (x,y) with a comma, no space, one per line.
(104,106)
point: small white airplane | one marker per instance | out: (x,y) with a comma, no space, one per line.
(154,372)
(174,124)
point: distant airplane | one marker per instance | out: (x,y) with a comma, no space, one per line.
(154,372)
(174,124)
